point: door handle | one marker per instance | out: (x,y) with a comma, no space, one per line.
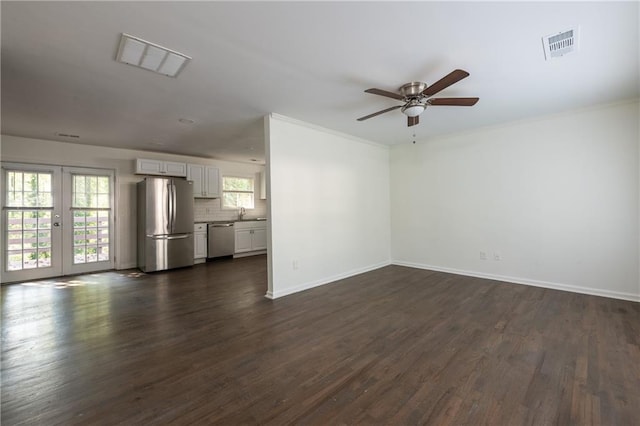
(174,206)
(169,227)
(169,237)
(56,223)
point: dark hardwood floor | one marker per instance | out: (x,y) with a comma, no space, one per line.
(396,346)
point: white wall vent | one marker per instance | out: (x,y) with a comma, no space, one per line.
(67,135)
(560,44)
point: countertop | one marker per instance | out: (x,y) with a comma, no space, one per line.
(254,219)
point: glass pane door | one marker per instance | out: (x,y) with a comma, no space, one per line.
(90,236)
(90,220)
(30,222)
(55,221)
(29,239)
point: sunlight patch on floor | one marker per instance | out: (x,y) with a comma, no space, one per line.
(133,274)
(59,284)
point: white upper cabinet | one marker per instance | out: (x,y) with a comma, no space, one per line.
(212,177)
(206,180)
(195,173)
(160,168)
(261,185)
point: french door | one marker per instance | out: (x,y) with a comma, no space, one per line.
(55,221)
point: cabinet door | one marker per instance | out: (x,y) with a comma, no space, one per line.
(263,185)
(200,245)
(259,240)
(195,173)
(149,167)
(145,166)
(243,240)
(212,179)
(175,169)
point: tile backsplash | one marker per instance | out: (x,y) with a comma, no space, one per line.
(210,210)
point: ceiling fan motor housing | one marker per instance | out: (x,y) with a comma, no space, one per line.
(413,89)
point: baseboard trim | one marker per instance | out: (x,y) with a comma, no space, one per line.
(249,253)
(323,281)
(535,283)
(129,265)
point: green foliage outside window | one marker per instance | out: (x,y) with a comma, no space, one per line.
(237,192)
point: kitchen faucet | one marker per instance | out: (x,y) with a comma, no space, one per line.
(241,213)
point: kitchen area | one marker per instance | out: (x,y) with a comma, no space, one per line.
(226,214)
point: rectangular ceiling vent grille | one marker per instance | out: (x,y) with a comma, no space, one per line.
(150,56)
(560,44)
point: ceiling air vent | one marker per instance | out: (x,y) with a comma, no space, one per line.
(67,135)
(144,54)
(560,44)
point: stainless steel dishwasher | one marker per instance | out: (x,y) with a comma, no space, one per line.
(221,239)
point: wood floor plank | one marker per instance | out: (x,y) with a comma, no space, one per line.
(397,345)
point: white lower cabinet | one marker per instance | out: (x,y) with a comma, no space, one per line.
(200,242)
(251,236)
(244,240)
(259,239)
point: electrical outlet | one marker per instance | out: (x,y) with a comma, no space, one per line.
(296,265)
(483,255)
(497,256)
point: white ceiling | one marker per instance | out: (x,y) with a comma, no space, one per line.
(309,61)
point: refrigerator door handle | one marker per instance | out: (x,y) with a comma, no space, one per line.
(169,237)
(174,202)
(169,208)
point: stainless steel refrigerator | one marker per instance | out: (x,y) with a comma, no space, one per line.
(165,223)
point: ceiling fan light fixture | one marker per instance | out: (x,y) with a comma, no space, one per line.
(413,109)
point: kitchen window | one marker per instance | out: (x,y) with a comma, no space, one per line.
(237,192)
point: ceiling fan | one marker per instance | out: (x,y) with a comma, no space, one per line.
(417,96)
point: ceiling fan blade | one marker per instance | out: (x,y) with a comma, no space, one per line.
(366,117)
(381,92)
(444,82)
(453,101)
(412,121)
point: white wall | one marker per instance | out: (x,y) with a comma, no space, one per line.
(329,201)
(557,198)
(25,150)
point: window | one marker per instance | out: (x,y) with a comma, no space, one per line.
(237,192)
(91,207)
(29,204)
